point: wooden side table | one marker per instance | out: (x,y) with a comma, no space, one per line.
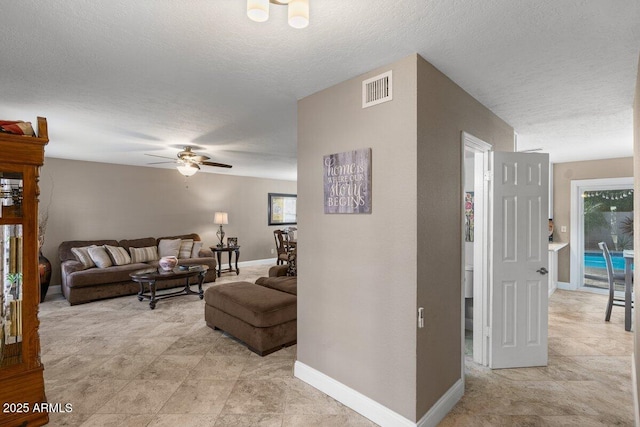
(218,250)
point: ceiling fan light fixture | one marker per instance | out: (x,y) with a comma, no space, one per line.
(258,10)
(299,13)
(187,169)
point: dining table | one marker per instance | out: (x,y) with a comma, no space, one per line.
(628,254)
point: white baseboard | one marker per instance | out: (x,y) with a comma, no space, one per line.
(373,410)
(257,262)
(360,403)
(443,405)
(565,286)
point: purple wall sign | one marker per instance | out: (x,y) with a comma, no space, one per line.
(347,182)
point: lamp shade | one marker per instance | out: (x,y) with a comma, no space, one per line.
(221,218)
(258,10)
(187,169)
(299,13)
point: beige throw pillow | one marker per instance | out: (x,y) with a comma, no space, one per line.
(169,247)
(185,248)
(82,254)
(144,254)
(100,256)
(118,255)
(195,252)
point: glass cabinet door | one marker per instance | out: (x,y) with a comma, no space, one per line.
(11,256)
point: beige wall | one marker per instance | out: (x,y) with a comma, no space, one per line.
(563,174)
(444,112)
(356,273)
(636,234)
(362,277)
(104,201)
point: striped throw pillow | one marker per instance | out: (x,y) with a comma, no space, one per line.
(82,254)
(149,253)
(195,252)
(118,255)
(185,248)
(100,256)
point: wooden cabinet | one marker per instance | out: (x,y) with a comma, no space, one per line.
(21,372)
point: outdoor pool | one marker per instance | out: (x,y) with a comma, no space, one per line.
(596,260)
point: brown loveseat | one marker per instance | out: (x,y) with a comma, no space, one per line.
(80,285)
(263,314)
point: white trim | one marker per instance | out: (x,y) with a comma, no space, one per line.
(576,247)
(257,262)
(566,286)
(355,400)
(475,144)
(480,250)
(442,406)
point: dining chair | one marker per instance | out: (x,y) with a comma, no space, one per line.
(281,247)
(614,279)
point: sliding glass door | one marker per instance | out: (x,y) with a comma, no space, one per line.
(607,216)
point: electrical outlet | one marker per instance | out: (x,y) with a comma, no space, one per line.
(563,229)
(272,251)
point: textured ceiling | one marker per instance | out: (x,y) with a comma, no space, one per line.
(117,79)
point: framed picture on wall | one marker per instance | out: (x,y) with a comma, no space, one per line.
(282,209)
(232,242)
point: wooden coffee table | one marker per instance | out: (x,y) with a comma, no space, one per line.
(151,275)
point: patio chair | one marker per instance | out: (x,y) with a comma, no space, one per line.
(614,279)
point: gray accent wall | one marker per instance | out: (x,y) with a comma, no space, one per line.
(90,200)
(362,277)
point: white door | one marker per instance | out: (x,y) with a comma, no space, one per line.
(519,263)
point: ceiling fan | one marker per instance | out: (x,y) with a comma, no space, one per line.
(189,162)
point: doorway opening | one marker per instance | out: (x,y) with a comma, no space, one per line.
(475,163)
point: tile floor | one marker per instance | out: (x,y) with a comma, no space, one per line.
(586,383)
(121,364)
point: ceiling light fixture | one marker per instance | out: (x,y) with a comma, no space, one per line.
(258,11)
(188,169)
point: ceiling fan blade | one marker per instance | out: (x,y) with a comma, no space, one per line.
(220,165)
(155,155)
(159,163)
(199,158)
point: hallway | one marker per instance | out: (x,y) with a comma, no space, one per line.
(587,381)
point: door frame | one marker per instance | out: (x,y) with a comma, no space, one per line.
(576,246)
(480,249)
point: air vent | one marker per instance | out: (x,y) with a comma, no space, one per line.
(377,90)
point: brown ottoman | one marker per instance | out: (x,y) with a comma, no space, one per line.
(263,318)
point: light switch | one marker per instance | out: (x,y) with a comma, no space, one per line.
(421,317)
(563,229)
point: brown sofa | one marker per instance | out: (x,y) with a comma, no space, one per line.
(80,285)
(263,314)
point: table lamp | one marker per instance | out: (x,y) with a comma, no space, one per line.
(220,218)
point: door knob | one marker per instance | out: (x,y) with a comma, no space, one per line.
(542,271)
